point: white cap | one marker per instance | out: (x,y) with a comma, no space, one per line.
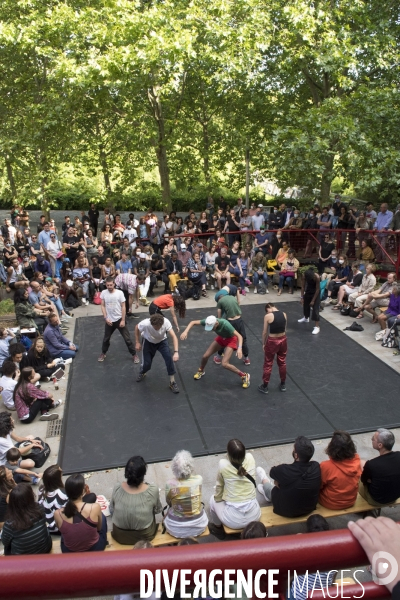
(260,206)
(210,322)
(183,246)
(142,255)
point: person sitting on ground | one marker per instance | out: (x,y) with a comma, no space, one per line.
(14,460)
(40,359)
(367,285)
(52,495)
(7,437)
(234,503)
(30,401)
(380,479)
(303,585)
(15,276)
(186,516)
(7,483)
(293,488)
(8,383)
(17,352)
(57,344)
(379,297)
(82,525)
(6,337)
(27,316)
(392,313)
(134,504)
(222,268)
(43,266)
(341,473)
(39,300)
(351,286)
(288,271)
(172,302)
(259,268)
(25,530)
(342,271)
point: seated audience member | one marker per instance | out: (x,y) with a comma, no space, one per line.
(303,585)
(282,253)
(142,267)
(8,383)
(134,504)
(27,316)
(234,503)
(43,266)
(259,267)
(57,344)
(254,530)
(124,265)
(222,268)
(158,272)
(6,336)
(7,484)
(14,460)
(351,286)
(342,271)
(25,530)
(391,314)
(186,516)
(174,270)
(30,401)
(367,285)
(340,474)
(297,485)
(366,253)
(40,359)
(380,479)
(52,495)
(17,352)
(183,255)
(196,274)
(82,525)
(7,437)
(379,297)
(39,300)
(15,276)
(288,272)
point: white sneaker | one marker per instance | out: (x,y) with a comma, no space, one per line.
(303,320)
(212,287)
(246,289)
(315,330)
(261,474)
(68,361)
(49,417)
(267,290)
(57,403)
(261,490)
(255,290)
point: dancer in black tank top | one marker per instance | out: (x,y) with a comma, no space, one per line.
(274,343)
(310,298)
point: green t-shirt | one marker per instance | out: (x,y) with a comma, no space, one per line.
(229,306)
(224,329)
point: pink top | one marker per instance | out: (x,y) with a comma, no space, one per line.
(79,537)
(34,392)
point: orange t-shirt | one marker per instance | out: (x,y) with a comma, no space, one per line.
(165,301)
(339,482)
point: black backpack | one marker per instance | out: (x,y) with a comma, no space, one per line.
(38,455)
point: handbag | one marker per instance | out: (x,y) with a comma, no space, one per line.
(38,455)
(288,273)
(389,339)
(380,334)
(271,264)
(345,311)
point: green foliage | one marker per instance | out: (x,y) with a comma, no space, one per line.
(7,307)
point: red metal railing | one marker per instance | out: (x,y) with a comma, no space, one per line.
(107,573)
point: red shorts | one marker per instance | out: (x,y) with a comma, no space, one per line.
(227,342)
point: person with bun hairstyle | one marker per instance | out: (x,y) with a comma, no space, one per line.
(134,504)
(234,503)
(274,343)
(82,525)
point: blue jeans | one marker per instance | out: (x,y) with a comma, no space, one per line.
(58,304)
(236,271)
(67,353)
(256,278)
(289,281)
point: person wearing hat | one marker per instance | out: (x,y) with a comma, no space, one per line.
(258,219)
(229,309)
(142,267)
(227,340)
(43,266)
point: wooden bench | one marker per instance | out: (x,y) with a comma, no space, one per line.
(161,539)
(270,519)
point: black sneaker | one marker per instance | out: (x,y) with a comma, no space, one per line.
(263,389)
(283,386)
(140,377)
(218,532)
(174,387)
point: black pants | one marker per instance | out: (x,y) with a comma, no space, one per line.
(47,372)
(41,323)
(307,308)
(124,331)
(153,309)
(38,406)
(149,351)
(238,325)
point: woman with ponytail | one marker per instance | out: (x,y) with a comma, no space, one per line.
(83,527)
(234,503)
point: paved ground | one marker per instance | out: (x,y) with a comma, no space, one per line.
(103,481)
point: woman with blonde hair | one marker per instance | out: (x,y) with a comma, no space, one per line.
(186,516)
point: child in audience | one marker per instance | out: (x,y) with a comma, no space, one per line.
(14,458)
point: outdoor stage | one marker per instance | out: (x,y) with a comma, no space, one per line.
(333,383)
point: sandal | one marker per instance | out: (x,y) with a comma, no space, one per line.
(204,294)
(360,316)
(280,293)
(338,307)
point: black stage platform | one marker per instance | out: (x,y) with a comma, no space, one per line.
(333,383)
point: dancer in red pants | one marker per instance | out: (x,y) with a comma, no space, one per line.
(274,343)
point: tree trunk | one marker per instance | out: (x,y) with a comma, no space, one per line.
(10,176)
(160,148)
(327,178)
(247,177)
(41,160)
(104,162)
(206,159)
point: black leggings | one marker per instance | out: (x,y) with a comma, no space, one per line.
(153,309)
(240,328)
(38,406)
(307,308)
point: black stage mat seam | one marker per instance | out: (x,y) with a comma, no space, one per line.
(293,381)
(192,411)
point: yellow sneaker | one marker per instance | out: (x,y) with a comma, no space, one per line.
(246,381)
(199,374)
